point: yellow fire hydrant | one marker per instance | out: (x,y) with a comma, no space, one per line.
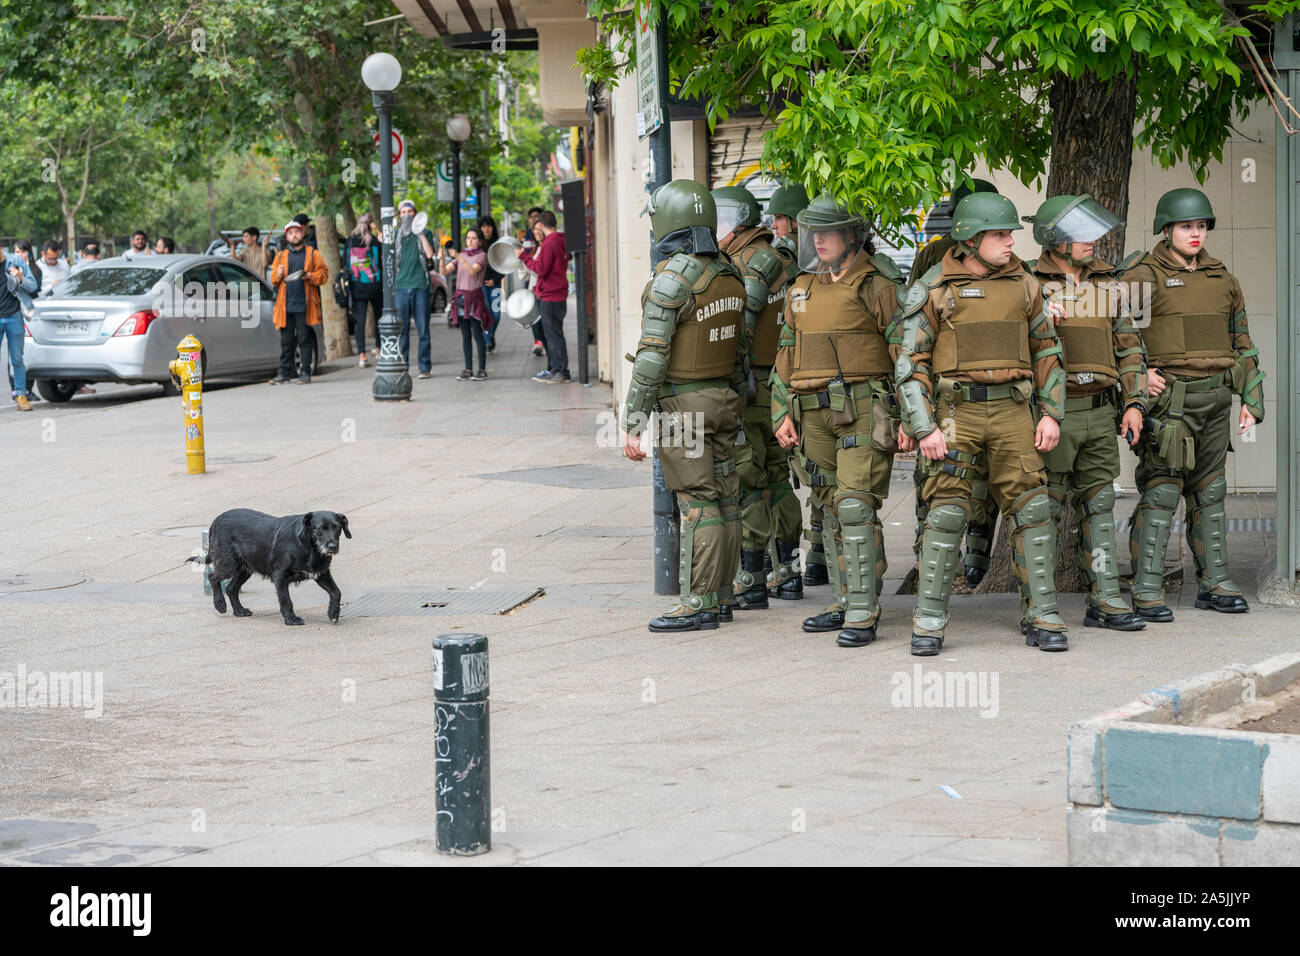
(187,374)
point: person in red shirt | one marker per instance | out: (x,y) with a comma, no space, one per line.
(552,290)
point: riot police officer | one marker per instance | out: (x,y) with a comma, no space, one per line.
(1104,368)
(983,517)
(689,365)
(831,394)
(1199,353)
(977,342)
(769,511)
(785,204)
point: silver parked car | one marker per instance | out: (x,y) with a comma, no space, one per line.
(119,320)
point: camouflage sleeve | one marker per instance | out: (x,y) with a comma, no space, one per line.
(780,399)
(659,303)
(1130,355)
(783,366)
(1049,370)
(885,300)
(1248,377)
(912,368)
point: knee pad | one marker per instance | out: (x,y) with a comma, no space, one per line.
(1032,508)
(1213,492)
(1099,499)
(1163,495)
(946,516)
(854,511)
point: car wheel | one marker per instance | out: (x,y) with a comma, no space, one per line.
(57,390)
(439,300)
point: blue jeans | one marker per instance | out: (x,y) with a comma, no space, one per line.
(414,303)
(12,328)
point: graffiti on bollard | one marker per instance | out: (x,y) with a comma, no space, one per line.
(462,777)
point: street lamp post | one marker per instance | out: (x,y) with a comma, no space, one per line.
(457,132)
(392,382)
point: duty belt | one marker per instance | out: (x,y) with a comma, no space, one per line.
(1086,402)
(811,400)
(970,392)
(1202,384)
(668,389)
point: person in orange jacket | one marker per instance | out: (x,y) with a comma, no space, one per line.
(297,274)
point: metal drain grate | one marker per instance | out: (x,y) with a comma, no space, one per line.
(430,602)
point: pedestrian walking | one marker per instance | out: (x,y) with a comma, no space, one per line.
(297,275)
(548,262)
(493,290)
(366,284)
(54,268)
(139,245)
(470,267)
(528,237)
(414,253)
(15,295)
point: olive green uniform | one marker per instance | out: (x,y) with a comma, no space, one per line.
(689,365)
(974,349)
(769,509)
(1105,376)
(1198,339)
(847,432)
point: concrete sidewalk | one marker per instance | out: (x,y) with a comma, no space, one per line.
(242,741)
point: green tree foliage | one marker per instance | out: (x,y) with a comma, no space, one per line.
(885,102)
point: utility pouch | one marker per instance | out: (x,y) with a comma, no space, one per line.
(884,427)
(1021,390)
(843,410)
(1172,445)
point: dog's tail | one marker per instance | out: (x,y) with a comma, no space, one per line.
(205,559)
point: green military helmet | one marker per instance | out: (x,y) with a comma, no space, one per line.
(788,200)
(981,186)
(825,216)
(681,204)
(1181,205)
(823,213)
(1071,219)
(736,207)
(980,212)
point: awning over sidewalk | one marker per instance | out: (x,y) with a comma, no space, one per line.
(557,29)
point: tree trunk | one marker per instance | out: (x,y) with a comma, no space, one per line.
(337,341)
(1092,152)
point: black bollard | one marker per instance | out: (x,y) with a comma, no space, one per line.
(461,776)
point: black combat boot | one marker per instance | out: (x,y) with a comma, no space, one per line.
(751,585)
(791,589)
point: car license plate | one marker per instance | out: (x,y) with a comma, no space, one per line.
(72,328)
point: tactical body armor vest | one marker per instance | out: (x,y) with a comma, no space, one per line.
(1190,312)
(833,312)
(1085,338)
(709,325)
(762,353)
(982,325)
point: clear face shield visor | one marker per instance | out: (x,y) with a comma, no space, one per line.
(731,213)
(828,250)
(1087,221)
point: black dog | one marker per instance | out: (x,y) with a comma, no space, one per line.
(287,550)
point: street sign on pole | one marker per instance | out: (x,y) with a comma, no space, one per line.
(649,114)
(445,180)
(399,161)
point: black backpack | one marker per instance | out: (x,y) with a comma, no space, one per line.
(342,288)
